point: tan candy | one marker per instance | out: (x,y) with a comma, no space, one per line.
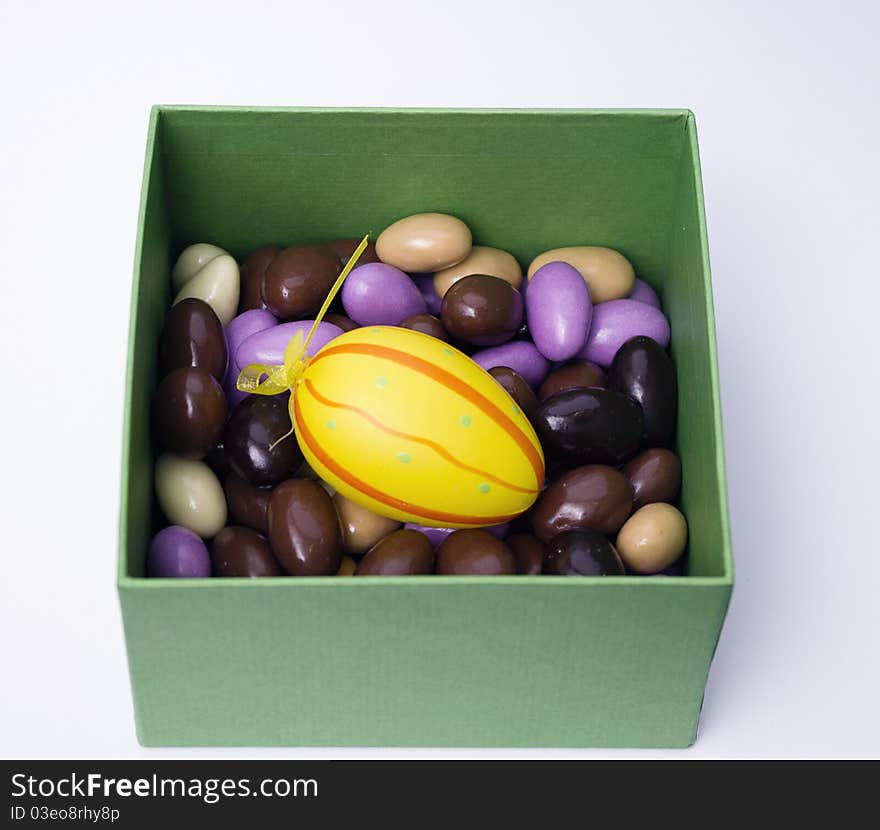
(190,495)
(481,260)
(424,242)
(608,274)
(361,528)
(652,538)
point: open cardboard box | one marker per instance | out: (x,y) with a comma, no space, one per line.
(430,661)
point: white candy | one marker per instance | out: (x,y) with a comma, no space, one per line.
(218,284)
(190,495)
(191,261)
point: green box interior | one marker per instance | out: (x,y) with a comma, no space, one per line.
(429,660)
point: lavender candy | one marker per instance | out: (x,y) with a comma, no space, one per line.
(377,294)
(236,332)
(615,322)
(268,346)
(179,553)
(436,535)
(643,293)
(559,310)
(425,284)
(520,355)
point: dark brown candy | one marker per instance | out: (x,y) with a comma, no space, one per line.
(248,505)
(590,426)
(304,529)
(582,553)
(594,497)
(252,271)
(254,425)
(344,248)
(528,551)
(474,553)
(426,324)
(345,323)
(298,280)
(241,551)
(655,476)
(192,336)
(189,410)
(642,369)
(482,310)
(517,388)
(578,374)
(402,553)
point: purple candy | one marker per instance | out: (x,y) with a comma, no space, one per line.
(436,535)
(643,293)
(425,284)
(520,355)
(617,321)
(236,332)
(559,310)
(268,346)
(377,294)
(178,552)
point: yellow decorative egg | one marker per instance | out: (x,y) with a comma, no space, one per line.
(413,429)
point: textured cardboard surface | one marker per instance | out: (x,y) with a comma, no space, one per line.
(517,661)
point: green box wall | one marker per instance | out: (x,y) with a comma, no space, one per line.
(428,661)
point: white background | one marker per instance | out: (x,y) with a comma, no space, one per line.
(786,101)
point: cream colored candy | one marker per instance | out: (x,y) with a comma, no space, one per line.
(424,242)
(652,538)
(191,261)
(481,260)
(190,495)
(361,528)
(347,567)
(218,284)
(607,273)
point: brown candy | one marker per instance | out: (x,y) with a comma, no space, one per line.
(582,553)
(241,551)
(402,553)
(482,310)
(253,269)
(427,324)
(361,528)
(575,375)
(345,323)
(594,497)
(298,280)
(528,551)
(192,336)
(189,410)
(344,248)
(517,388)
(655,476)
(248,505)
(257,423)
(304,529)
(475,553)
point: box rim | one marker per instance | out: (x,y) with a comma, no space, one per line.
(124,581)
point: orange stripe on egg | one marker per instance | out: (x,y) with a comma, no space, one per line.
(424,513)
(438,448)
(451,382)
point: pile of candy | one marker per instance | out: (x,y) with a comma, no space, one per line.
(579,345)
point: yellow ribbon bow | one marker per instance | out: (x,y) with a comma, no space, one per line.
(263,379)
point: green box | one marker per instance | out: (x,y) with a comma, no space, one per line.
(428,661)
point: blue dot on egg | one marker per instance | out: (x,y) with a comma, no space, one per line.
(381,382)
(448,351)
(484,488)
(404,457)
(331,424)
(465,420)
